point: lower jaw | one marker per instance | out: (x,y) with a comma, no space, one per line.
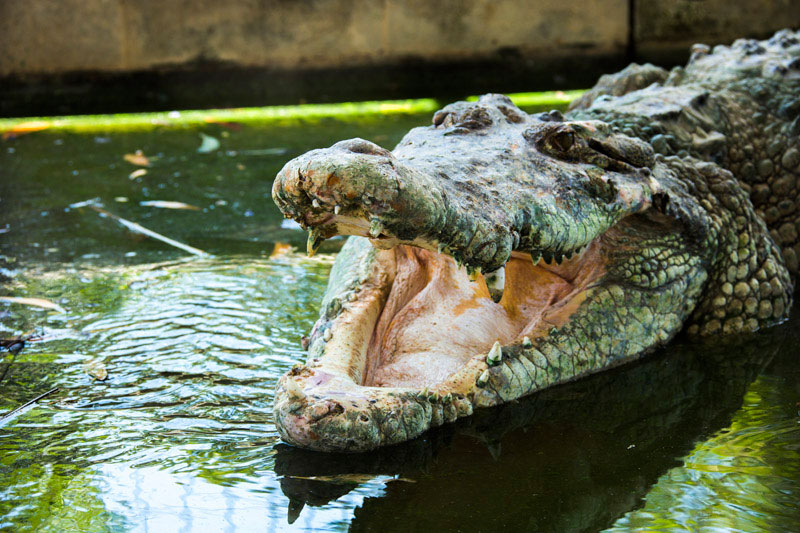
(340,402)
(341,416)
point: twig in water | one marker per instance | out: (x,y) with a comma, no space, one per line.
(14,346)
(24,407)
(133,226)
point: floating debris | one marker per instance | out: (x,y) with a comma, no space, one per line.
(137,158)
(35,302)
(280,249)
(166,204)
(96,369)
(5,419)
(208,144)
(137,228)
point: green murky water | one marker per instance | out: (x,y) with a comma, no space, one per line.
(180,435)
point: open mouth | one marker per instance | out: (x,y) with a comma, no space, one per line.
(424,316)
(455,275)
(416,322)
(437,316)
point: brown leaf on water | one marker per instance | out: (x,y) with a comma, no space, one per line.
(36,302)
(280,249)
(96,369)
(166,204)
(24,128)
(137,158)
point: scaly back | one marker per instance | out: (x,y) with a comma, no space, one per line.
(737,106)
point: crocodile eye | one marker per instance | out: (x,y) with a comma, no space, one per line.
(563,140)
(439,116)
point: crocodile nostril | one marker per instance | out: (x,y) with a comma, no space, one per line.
(360,146)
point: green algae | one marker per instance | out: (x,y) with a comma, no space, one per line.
(261,115)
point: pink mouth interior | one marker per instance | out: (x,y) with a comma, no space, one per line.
(436,319)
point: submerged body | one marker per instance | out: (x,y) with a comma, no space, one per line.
(498,253)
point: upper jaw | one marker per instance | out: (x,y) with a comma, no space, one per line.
(543,207)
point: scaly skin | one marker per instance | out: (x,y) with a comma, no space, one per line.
(656,177)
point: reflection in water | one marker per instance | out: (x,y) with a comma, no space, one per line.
(570,459)
(180,437)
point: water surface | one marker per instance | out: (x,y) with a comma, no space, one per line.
(179,437)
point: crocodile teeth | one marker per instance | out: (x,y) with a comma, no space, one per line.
(535,257)
(337,209)
(315,239)
(473,273)
(558,257)
(526,343)
(375,228)
(293,389)
(440,248)
(495,355)
(548,257)
(315,203)
(483,379)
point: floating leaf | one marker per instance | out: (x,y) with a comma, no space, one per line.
(166,204)
(280,249)
(209,144)
(36,302)
(137,158)
(138,173)
(24,128)
(96,369)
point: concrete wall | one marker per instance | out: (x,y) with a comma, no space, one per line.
(57,36)
(90,56)
(662,28)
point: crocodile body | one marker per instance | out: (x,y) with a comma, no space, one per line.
(499,253)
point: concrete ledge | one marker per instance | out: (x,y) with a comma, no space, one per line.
(92,56)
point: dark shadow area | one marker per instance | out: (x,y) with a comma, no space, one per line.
(219,85)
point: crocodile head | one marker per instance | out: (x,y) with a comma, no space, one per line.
(495,254)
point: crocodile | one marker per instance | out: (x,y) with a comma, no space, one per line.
(495,253)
